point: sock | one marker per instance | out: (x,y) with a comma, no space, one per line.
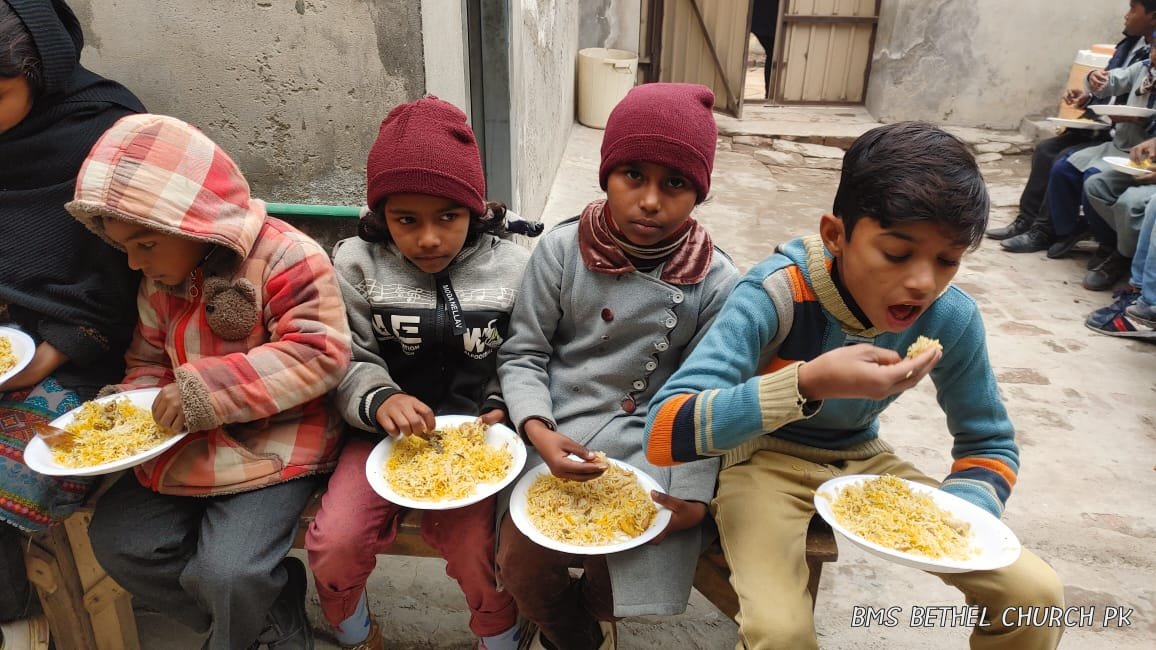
(506,639)
(354,629)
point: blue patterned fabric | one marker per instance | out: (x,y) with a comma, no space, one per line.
(28,500)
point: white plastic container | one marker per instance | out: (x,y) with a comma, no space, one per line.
(1086,61)
(604,78)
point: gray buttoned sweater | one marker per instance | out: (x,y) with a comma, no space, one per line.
(587,351)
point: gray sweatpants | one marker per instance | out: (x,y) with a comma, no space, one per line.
(1120,203)
(209,562)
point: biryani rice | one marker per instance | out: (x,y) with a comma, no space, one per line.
(104,432)
(611,508)
(922,343)
(8,359)
(886,511)
(451,468)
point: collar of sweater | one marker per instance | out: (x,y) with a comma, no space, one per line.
(687,265)
(828,294)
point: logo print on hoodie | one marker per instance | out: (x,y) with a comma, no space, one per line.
(480,342)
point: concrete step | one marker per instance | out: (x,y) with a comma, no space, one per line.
(811,136)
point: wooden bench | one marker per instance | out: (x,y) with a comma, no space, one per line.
(87,610)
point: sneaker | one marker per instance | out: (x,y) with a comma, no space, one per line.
(511,639)
(1121,299)
(1125,325)
(25,634)
(609,637)
(288,627)
(1142,313)
(375,640)
(1064,245)
(1032,241)
(1017,227)
(1114,268)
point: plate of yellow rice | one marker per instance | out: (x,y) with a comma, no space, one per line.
(109,434)
(468,462)
(16,352)
(608,514)
(915,525)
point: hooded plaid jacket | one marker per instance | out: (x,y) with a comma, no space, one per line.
(255,338)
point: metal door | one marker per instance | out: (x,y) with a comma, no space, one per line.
(823,51)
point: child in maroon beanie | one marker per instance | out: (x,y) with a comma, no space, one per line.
(428,288)
(610,304)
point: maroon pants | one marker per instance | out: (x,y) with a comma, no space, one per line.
(355,524)
(567,610)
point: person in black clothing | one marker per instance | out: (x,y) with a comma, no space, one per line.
(764,20)
(61,285)
(1032,229)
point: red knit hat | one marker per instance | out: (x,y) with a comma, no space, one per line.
(426,147)
(664,123)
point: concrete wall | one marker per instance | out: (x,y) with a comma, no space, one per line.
(293,89)
(446,70)
(609,23)
(543,54)
(981,62)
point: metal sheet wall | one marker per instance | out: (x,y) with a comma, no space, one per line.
(826,49)
(705,41)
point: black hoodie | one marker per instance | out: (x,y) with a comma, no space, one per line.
(58,281)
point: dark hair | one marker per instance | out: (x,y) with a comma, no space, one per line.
(18,54)
(372,227)
(1149,5)
(913,171)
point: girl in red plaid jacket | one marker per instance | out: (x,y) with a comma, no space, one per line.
(243,329)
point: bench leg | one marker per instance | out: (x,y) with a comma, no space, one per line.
(52,570)
(815,569)
(85,608)
(108,605)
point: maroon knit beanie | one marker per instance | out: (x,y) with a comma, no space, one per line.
(426,147)
(664,123)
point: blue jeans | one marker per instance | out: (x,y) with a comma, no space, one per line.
(1144,261)
(1066,195)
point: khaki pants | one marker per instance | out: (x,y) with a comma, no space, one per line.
(762,510)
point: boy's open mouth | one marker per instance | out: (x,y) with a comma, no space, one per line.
(904,315)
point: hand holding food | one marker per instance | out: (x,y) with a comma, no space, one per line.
(447,465)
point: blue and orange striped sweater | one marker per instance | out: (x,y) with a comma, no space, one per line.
(737,393)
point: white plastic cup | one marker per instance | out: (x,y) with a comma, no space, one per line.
(604,78)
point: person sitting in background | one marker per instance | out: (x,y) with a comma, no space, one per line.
(1032,229)
(1119,202)
(58,282)
(1132,313)
(1066,182)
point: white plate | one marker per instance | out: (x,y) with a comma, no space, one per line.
(498,435)
(39,457)
(1122,165)
(521,517)
(997,544)
(22,346)
(1091,125)
(1122,110)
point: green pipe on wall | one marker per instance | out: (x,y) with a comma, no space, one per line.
(317,211)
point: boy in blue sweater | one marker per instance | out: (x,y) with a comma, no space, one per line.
(788,383)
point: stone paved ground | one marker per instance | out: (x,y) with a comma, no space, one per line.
(1082,404)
